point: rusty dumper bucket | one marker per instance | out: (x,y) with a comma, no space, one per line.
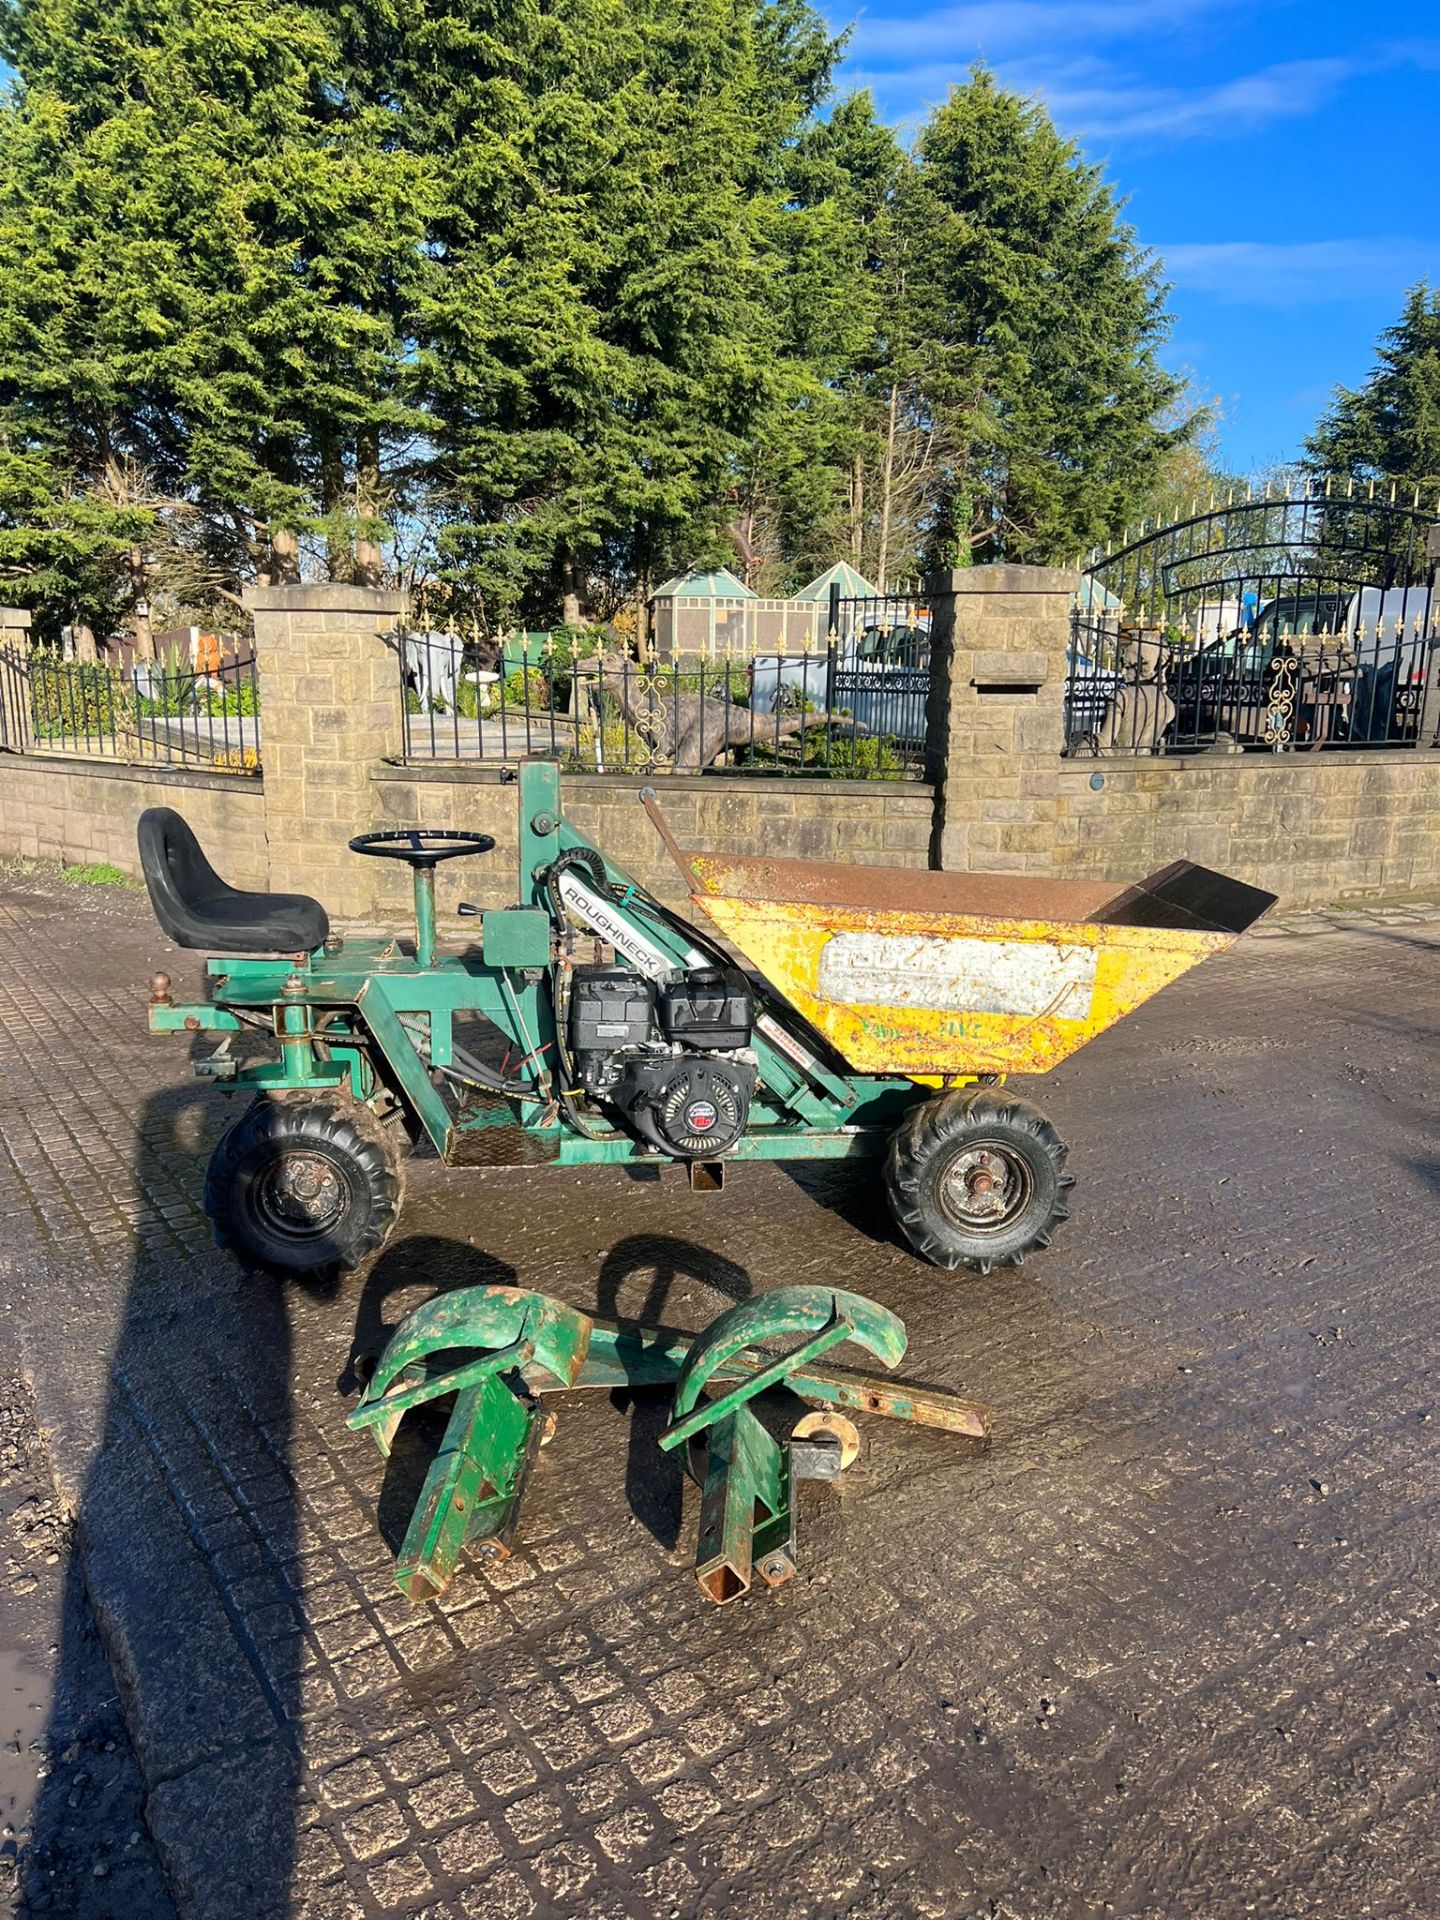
(940,975)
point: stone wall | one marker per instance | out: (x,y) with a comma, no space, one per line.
(330,709)
(77,811)
(870,822)
(1312,827)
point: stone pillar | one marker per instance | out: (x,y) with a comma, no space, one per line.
(16,731)
(330,707)
(997,718)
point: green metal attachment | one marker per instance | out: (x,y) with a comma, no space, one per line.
(745,1510)
(747,1507)
(499,1350)
(516,937)
(472,1492)
(827,1315)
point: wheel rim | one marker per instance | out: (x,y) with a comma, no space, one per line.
(986,1187)
(302,1195)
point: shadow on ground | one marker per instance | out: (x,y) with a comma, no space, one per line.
(189,1501)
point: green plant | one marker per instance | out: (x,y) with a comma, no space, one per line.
(613,748)
(237,697)
(855,757)
(96,873)
(179,693)
(527,687)
(716,683)
(69,698)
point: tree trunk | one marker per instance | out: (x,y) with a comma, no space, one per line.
(642,616)
(140,614)
(284,557)
(857,509)
(338,560)
(369,561)
(85,649)
(570,578)
(887,490)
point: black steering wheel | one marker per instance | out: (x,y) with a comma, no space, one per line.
(422,846)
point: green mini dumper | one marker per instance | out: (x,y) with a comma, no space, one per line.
(593,1025)
(879,1015)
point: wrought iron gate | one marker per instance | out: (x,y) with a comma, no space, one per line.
(1303,620)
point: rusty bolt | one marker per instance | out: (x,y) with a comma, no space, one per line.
(192,1023)
(159,988)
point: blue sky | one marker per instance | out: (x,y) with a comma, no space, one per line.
(1283,159)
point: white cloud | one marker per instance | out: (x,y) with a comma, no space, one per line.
(1065,52)
(1010,26)
(1255,100)
(1266,273)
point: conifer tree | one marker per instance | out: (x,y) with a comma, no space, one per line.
(1389,428)
(1037,318)
(198,257)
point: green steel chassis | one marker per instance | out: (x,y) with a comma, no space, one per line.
(365,1019)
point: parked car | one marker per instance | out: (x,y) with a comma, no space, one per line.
(1360,665)
(1238,684)
(879,674)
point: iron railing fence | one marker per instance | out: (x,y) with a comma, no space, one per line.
(884,662)
(1323,558)
(1300,619)
(1132,688)
(15,733)
(147,711)
(815,713)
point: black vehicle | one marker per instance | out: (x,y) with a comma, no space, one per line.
(1313,669)
(1263,689)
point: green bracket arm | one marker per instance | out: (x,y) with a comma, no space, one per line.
(169,1017)
(827,1315)
(512,1329)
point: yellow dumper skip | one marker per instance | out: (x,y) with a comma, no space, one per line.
(942,975)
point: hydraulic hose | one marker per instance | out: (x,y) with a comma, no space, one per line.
(470,1071)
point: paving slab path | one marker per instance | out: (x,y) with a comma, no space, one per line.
(1169,1647)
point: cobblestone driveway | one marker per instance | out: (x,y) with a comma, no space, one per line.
(1169,1648)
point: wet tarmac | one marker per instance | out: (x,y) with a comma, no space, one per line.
(1168,1648)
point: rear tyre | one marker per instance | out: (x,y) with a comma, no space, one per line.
(977,1179)
(303,1186)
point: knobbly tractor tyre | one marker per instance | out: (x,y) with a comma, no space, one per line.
(977,1179)
(304,1186)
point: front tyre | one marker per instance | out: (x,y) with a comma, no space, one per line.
(976,1179)
(302,1186)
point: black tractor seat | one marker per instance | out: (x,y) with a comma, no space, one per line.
(197,909)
